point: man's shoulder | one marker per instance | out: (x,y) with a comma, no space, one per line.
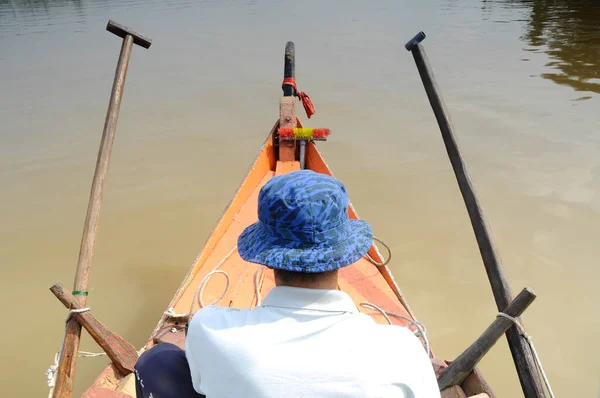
(214,317)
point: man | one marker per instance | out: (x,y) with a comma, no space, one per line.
(307,339)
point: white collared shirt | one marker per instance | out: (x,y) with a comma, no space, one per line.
(305,343)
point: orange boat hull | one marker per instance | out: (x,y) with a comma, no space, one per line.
(364,281)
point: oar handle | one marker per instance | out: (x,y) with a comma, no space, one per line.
(289,68)
(419,37)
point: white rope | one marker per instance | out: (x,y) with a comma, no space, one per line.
(51,373)
(205,282)
(420,332)
(78,311)
(386,261)
(529,340)
(172,314)
(87,354)
(53,369)
(200,289)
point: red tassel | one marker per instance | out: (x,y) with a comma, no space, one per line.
(309,108)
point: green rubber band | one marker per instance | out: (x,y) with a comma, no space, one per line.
(79,293)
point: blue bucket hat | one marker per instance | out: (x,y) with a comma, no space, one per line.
(304,226)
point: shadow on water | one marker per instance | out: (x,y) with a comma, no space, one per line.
(566,30)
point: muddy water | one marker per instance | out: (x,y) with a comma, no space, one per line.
(521,79)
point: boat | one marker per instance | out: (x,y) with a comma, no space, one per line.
(219,275)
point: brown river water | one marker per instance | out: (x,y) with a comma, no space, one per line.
(522,82)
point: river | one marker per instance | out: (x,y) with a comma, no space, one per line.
(522,82)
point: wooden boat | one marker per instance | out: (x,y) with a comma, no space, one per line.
(220,276)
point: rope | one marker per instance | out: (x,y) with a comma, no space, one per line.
(78,311)
(87,354)
(172,314)
(385,262)
(75,311)
(205,282)
(309,108)
(420,332)
(51,373)
(529,340)
(200,289)
(53,369)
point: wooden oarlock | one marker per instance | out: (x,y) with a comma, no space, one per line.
(121,353)
(464,364)
(66,369)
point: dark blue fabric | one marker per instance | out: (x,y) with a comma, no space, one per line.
(304,226)
(163,372)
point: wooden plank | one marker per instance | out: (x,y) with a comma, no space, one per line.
(476,384)
(286,167)
(287,119)
(127,385)
(101,392)
(107,380)
(453,392)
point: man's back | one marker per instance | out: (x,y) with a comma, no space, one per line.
(308,343)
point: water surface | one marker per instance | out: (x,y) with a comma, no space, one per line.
(521,79)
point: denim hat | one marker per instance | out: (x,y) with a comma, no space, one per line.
(304,226)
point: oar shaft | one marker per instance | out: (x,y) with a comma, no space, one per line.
(66,370)
(519,348)
(88,241)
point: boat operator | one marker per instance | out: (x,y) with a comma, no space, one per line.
(307,339)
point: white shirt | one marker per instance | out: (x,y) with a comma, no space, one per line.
(305,343)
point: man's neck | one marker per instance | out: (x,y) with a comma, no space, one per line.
(326,280)
(329,285)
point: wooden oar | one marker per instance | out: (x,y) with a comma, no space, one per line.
(122,354)
(521,352)
(464,364)
(66,369)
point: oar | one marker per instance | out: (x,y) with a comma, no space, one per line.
(66,369)
(521,352)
